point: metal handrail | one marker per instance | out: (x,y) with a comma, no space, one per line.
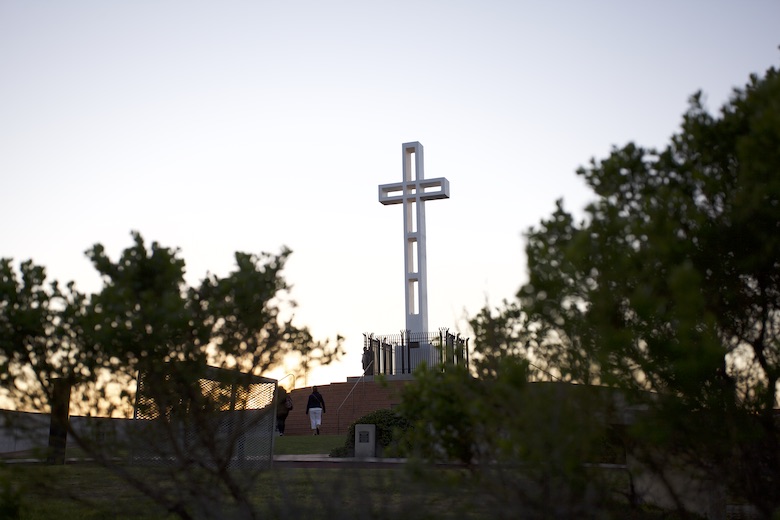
(360,379)
(285,377)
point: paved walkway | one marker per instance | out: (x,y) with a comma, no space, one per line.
(281,461)
(325,461)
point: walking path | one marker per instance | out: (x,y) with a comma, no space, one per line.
(319,460)
(325,461)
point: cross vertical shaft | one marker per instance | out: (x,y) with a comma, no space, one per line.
(412,192)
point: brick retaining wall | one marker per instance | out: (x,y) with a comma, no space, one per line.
(367,396)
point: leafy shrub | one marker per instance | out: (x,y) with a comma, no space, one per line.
(389,425)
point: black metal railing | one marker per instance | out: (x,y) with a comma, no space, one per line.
(394,354)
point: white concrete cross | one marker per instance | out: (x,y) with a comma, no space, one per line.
(412,192)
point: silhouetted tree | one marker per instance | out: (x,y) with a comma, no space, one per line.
(668,291)
(145,321)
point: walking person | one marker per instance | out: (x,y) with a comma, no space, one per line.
(365,360)
(368,361)
(283,406)
(315,407)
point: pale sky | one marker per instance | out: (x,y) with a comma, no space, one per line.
(218,127)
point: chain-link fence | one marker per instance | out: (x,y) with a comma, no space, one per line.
(203,415)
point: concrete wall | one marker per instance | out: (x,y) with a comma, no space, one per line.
(24,432)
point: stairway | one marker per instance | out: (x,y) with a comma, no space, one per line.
(367,396)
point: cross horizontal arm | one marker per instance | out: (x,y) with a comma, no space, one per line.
(395,193)
(440,182)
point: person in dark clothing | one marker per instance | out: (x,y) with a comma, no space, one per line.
(315,407)
(368,361)
(283,406)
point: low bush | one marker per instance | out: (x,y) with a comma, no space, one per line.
(389,425)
